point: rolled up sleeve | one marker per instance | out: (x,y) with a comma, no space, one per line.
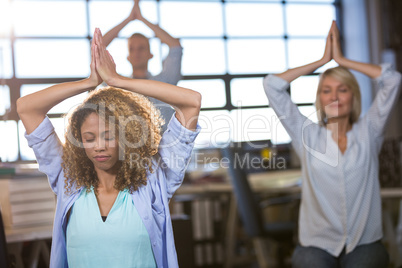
(388,87)
(48,151)
(175,151)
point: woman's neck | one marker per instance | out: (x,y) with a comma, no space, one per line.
(339,126)
(106,180)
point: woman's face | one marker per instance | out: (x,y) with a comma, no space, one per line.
(100,143)
(336,98)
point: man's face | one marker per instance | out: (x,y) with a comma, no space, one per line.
(139,52)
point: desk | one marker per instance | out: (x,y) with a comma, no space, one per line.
(37,235)
(267,182)
(31,233)
(281,182)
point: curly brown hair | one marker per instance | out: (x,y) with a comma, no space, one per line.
(137,123)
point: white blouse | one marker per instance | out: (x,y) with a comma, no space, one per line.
(341,202)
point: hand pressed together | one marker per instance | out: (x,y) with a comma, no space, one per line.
(104,63)
(333,48)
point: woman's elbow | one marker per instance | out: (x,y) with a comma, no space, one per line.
(21,106)
(197,100)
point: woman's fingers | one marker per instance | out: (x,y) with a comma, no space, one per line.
(336,44)
(100,40)
(110,56)
(92,55)
(97,57)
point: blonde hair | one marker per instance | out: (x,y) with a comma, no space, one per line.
(115,106)
(344,76)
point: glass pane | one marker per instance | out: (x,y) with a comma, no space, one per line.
(50,18)
(61,108)
(304,89)
(26,152)
(203,56)
(6,65)
(258,124)
(248,92)
(304,51)
(116,12)
(52,58)
(8,141)
(4,99)
(216,127)
(119,51)
(155,64)
(59,125)
(310,20)
(212,91)
(191,19)
(256,19)
(256,56)
(310,112)
(6,16)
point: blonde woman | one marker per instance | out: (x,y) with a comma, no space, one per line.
(115,174)
(340,212)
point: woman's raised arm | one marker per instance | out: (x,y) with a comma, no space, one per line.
(368,69)
(186,102)
(294,73)
(32,109)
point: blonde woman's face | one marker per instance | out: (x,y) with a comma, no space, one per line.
(100,143)
(336,98)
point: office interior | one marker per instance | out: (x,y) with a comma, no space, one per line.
(229,46)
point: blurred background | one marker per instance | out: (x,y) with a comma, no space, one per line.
(229,46)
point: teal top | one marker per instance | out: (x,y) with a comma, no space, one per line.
(120,241)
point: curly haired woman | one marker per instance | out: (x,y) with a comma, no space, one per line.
(340,211)
(115,174)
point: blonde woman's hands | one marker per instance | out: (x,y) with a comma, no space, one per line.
(336,44)
(328,54)
(105,65)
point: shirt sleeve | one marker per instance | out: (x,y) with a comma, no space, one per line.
(48,151)
(171,67)
(175,151)
(288,113)
(387,85)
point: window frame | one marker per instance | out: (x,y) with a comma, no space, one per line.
(15,83)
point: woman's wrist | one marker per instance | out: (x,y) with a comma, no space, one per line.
(89,84)
(342,61)
(322,62)
(114,81)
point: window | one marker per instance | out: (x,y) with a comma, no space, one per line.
(229,46)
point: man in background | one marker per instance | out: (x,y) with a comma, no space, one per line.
(139,54)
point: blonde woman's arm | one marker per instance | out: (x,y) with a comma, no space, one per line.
(371,70)
(294,73)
